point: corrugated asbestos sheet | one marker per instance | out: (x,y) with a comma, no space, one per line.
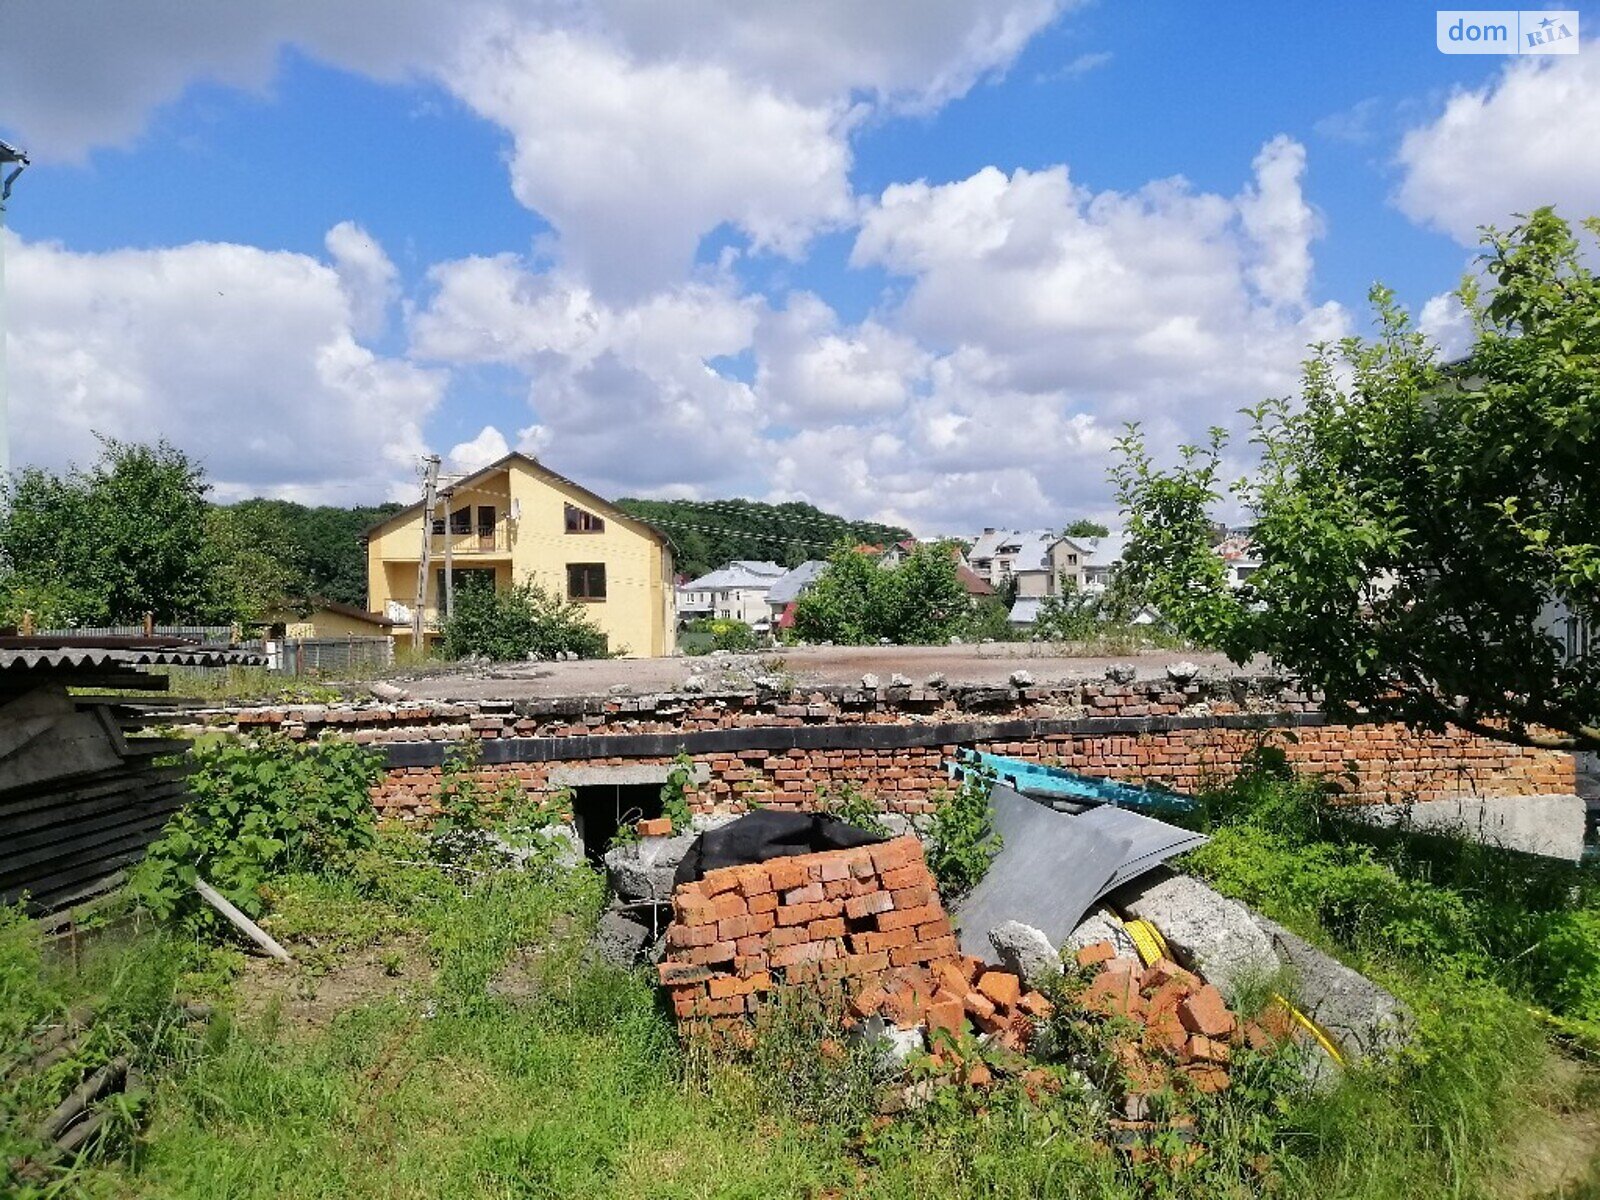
(80,799)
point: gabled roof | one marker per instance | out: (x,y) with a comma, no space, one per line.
(1032,546)
(1105,551)
(789,585)
(737,574)
(975,584)
(593,499)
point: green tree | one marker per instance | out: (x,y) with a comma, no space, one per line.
(328,552)
(1167,562)
(857,601)
(1085,528)
(260,567)
(523,619)
(131,534)
(1416,520)
(838,607)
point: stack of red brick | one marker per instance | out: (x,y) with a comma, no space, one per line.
(869,918)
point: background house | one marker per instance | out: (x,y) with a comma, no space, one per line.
(514,520)
(786,591)
(736,592)
(1035,559)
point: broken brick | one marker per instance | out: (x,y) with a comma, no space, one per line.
(1004,988)
(1096,952)
(655,827)
(946,1015)
(1204,1011)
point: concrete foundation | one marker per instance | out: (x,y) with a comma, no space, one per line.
(1548,825)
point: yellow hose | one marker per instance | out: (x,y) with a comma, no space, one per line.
(1147,940)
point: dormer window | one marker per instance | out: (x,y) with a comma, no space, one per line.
(581,521)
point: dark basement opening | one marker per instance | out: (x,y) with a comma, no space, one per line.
(599,810)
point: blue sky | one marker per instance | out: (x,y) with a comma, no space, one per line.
(917,264)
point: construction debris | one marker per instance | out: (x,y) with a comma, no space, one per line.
(868,918)
(1215,935)
(1053,867)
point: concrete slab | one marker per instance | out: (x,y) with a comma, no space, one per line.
(1361,1018)
(1548,825)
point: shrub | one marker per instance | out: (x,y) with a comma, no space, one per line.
(259,808)
(509,625)
(719,633)
(962,841)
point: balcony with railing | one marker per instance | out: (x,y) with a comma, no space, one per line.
(486,541)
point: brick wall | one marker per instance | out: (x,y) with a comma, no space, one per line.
(1390,763)
(777,747)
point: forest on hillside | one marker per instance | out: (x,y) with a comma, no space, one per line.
(323,545)
(707,533)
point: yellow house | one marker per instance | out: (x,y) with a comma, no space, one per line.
(517,519)
(325,619)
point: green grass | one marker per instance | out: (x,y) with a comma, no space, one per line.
(443,1087)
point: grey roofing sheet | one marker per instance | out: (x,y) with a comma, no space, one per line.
(1053,867)
(57,657)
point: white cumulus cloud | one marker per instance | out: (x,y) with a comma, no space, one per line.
(1525,139)
(244,357)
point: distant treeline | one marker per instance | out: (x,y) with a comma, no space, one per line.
(708,533)
(326,556)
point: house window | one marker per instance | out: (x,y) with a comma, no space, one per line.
(438,525)
(580,521)
(586,581)
(461,520)
(486,520)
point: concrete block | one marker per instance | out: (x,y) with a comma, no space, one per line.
(1361,1017)
(1547,825)
(1025,951)
(1210,934)
(644,870)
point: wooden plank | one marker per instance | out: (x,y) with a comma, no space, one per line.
(67,833)
(20,867)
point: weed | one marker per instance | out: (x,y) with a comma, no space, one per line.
(962,841)
(675,793)
(853,806)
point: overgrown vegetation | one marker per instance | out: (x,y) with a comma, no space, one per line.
(1527,924)
(508,625)
(260,808)
(487,1054)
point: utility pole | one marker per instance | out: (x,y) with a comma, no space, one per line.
(12,163)
(430,484)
